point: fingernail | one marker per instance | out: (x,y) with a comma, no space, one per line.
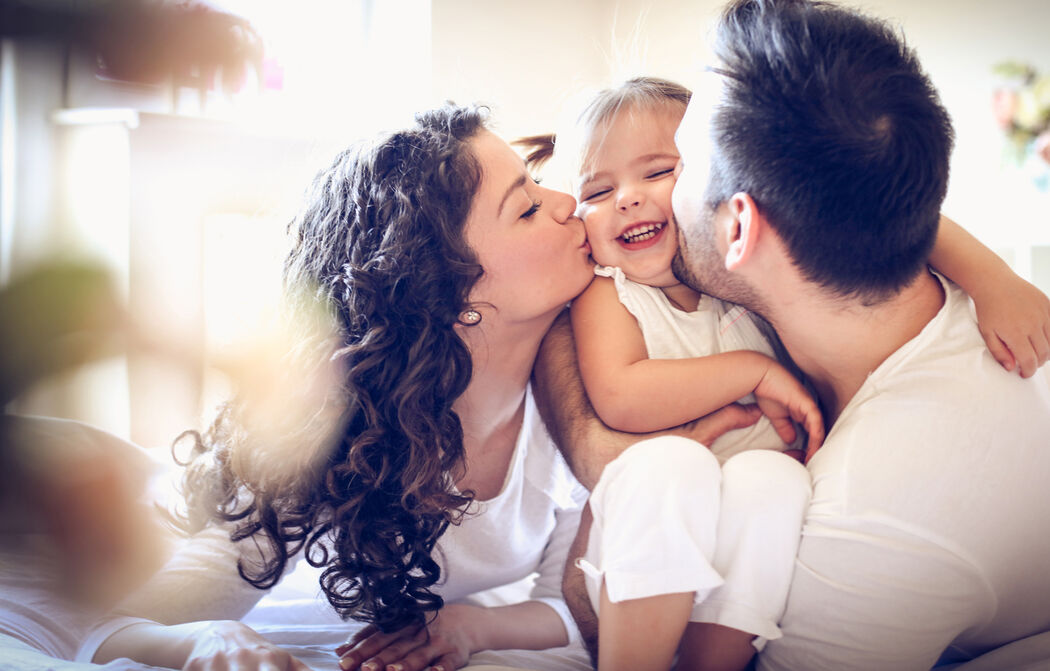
(369,666)
(346,663)
(395,667)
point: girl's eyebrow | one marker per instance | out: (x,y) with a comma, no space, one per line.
(654,157)
(590,177)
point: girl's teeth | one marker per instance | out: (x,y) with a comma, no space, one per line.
(643,234)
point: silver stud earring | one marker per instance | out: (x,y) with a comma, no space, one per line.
(470,317)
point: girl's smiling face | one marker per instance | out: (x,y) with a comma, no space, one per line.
(625,192)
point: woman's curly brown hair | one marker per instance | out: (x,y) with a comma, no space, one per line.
(380,244)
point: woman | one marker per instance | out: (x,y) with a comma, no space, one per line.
(443,264)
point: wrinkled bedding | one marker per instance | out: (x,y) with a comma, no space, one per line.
(42,626)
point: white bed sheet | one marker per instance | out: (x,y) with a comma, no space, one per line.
(41,629)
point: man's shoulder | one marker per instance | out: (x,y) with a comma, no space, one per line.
(948,358)
(942,394)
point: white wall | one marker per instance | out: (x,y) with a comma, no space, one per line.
(958,41)
(526,59)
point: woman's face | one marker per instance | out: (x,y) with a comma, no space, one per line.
(530,244)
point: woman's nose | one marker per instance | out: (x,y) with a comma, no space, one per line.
(564,206)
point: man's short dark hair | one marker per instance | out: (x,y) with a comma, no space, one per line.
(831,125)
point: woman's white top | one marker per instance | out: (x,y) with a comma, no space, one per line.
(523,531)
(714,327)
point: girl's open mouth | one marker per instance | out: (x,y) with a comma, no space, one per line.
(642,235)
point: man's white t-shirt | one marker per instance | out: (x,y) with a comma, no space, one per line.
(929,526)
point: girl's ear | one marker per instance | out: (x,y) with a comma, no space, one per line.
(745,225)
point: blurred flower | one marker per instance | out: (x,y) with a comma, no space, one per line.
(1042,146)
(1004,106)
(1021,106)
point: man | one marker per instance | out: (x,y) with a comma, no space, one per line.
(810,194)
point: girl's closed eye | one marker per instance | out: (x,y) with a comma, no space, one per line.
(596,194)
(660,173)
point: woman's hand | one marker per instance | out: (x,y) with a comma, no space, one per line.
(445,643)
(782,398)
(1014,319)
(231,646)
(212,645)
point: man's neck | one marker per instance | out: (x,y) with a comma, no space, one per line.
(837,343)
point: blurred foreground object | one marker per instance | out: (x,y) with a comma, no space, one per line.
(146,41)
(75,515)
(73,511)
(69,493)
(58,316)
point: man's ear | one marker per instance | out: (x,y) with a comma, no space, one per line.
(743,231)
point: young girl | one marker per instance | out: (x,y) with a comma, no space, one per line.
(655,353)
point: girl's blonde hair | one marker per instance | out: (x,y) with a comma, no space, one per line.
(574,144)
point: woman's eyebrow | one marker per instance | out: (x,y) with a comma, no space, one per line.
(518,183)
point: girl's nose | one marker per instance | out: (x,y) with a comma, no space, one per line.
(628,199)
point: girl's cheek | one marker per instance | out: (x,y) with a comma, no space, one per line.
(584,212)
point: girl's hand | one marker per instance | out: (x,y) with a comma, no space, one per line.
(232,646)
(709,428)
(1014,319)
(445,643)
(782,398)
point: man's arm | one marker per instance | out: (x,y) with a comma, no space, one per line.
(585,442)
(574,589)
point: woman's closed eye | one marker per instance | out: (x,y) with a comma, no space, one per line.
(533,209)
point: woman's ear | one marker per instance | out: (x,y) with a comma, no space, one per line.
(744,227)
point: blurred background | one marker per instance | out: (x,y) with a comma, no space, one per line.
(160,157)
